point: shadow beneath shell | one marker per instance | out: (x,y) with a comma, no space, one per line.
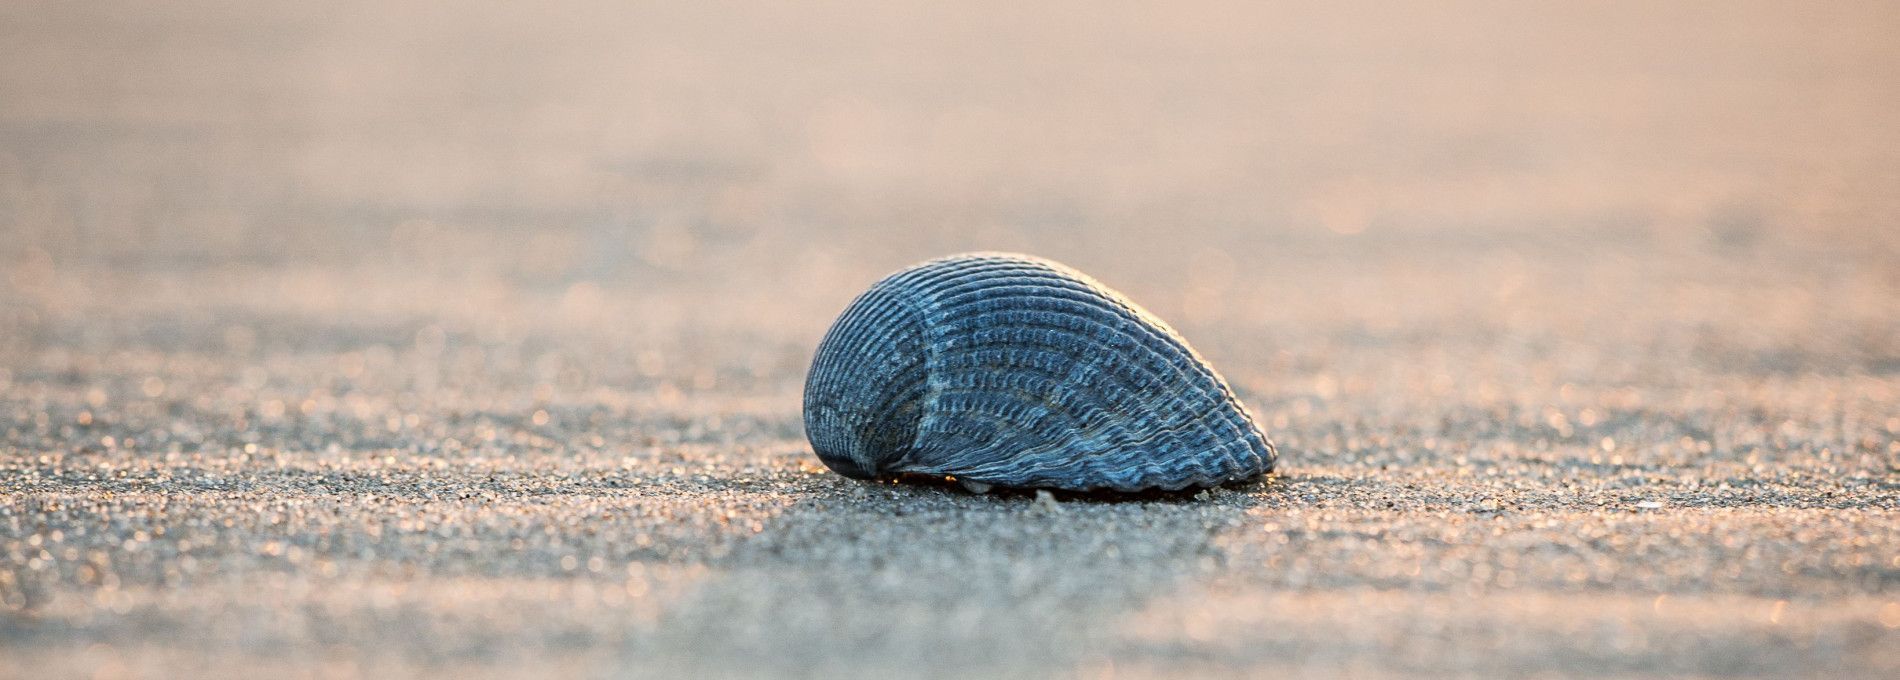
(902,574)
(951,485)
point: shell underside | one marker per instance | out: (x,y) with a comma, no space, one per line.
(1014,371)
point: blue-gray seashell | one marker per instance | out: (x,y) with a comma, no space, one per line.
(1010,370)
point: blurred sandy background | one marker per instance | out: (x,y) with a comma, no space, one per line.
(1505,248)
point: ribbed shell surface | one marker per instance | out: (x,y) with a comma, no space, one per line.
(1016,371)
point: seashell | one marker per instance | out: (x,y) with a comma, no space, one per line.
(1014,371)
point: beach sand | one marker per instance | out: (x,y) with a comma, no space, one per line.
(413,339)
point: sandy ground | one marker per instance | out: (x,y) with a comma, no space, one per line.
(404,339)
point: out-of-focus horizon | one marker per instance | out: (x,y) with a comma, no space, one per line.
(550,144)
(468,336)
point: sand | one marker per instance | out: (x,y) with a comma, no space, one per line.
(412,340)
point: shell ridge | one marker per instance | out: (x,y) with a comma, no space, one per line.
(1082,451)
(868,324)
(1149,374)
(943,394)
(1181,411)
